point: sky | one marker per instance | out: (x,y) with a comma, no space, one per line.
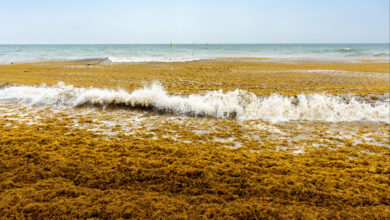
(193,21)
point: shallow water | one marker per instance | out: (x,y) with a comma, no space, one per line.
(293,136)
(188,52)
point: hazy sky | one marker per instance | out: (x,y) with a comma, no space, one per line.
(199,21)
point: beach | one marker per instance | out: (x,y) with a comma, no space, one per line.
(228,137)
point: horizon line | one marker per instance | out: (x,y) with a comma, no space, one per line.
(199,43)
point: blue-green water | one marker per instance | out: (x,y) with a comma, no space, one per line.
(188,52)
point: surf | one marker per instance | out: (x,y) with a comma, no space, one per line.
(238,104)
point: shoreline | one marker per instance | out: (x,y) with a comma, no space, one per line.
(108,60)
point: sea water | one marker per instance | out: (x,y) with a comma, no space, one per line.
(238,104)
(190,52)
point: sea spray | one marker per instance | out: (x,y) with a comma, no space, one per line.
(238,104)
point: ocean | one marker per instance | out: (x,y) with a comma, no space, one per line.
(189,52)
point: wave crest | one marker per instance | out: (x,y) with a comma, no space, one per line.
(240,104)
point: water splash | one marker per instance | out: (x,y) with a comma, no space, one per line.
(238,104)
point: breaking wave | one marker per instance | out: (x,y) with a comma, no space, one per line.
(347,50)
(382,55)
(162,59)
(239,104)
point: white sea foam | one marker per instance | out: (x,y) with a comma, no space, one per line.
(162,59)
(239,104)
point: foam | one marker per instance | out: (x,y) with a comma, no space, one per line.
(238,104)
(160,59)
